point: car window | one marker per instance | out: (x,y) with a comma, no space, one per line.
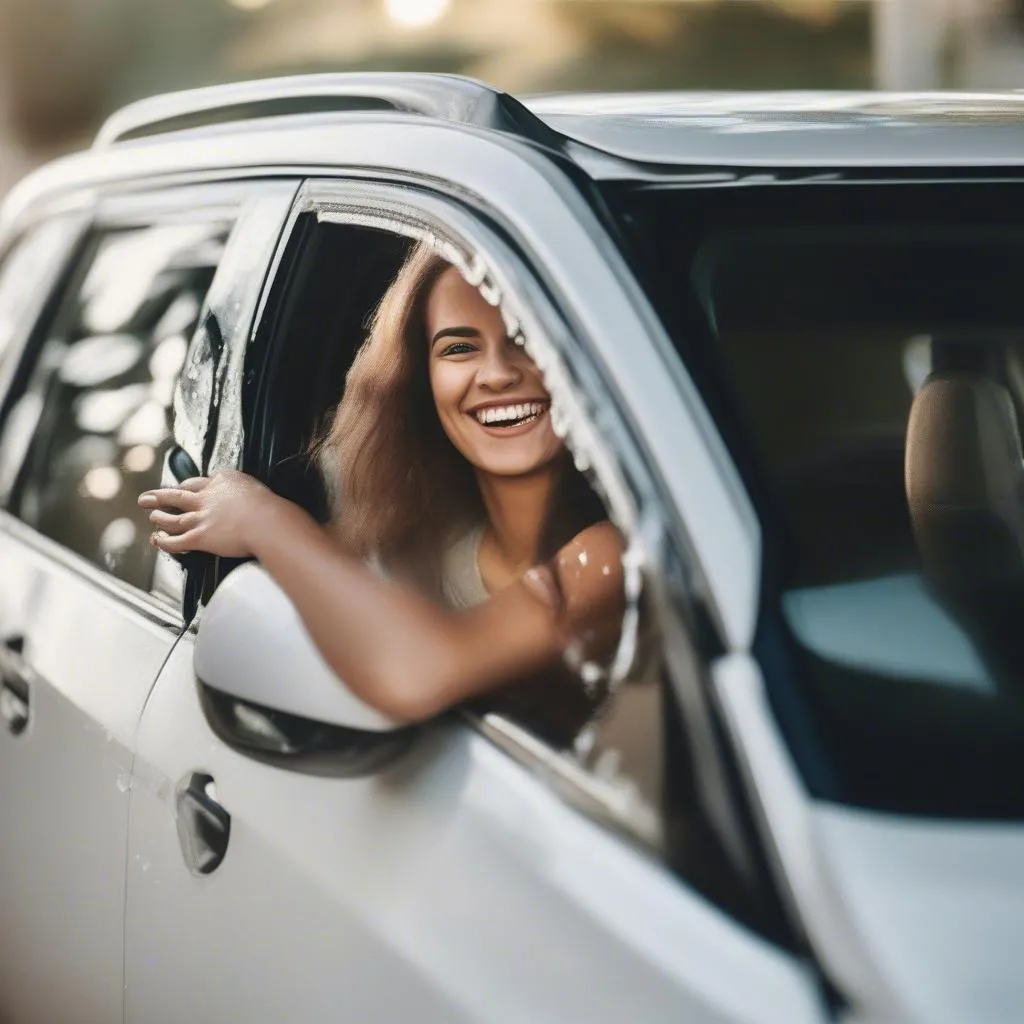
(94,419)
(24,271)
(305,359)
(816,322)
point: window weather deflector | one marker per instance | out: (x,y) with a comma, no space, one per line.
(445,97)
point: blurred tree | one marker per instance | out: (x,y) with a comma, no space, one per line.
(751,45)
(64,64)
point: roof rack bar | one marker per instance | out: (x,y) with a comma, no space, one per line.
(446,97)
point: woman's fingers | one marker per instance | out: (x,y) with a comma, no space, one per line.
(174,523)
(185,499)
(175,545)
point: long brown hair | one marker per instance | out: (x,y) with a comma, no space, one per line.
(401,490)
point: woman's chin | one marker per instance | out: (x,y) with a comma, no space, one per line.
(510,464)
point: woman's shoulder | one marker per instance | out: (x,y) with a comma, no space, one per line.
(603,539)
(585,576)
(593,556)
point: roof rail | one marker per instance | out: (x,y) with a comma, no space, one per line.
(446,97)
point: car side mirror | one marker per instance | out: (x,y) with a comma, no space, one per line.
(267,687)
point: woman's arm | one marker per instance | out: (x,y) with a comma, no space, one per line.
(395,648)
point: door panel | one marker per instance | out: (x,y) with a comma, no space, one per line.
(452,887)
(64,780)
(89,431)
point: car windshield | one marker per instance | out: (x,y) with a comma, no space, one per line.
(815,319)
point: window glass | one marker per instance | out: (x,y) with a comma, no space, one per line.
(95,418)
(818,324)
(26,266)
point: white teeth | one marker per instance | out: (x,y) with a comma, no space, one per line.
(509,413)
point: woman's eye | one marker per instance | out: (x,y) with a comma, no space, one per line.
(458,348)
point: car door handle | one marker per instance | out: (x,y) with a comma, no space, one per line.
(14,644)
(14,689)
(204,827)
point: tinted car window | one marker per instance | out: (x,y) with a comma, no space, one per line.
(812,319)
(98,399)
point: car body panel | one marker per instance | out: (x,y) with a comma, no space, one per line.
(90,663)
(918,918)
(786,130)
(453,886)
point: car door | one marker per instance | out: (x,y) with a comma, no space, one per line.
(85,622)
(480,876)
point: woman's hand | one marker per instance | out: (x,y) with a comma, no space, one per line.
(219,514)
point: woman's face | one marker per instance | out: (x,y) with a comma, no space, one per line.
(489,395)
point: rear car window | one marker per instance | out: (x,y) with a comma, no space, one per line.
(93,424)
(24,270)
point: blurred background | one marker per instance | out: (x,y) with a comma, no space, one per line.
(65,64)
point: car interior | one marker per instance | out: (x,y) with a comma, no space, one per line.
(792,310)
(336,276)
(826,376)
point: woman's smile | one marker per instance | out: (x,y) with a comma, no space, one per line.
(510,419)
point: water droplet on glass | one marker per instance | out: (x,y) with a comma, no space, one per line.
(558,421)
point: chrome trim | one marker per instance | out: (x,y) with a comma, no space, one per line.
(152,608)
(616,803)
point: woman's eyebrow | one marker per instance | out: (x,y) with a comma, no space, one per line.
(454,332)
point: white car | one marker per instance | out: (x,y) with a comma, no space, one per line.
(739,302)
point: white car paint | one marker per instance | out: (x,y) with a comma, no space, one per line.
(920,919)
(64,784)
(453,887)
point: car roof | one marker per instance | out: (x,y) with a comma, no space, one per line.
(293,121)
(793,129)
(608,132)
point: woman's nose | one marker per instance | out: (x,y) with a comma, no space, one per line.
(499,370)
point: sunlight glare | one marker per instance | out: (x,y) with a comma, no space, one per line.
(415,13)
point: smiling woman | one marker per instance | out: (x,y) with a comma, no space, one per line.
(465,553)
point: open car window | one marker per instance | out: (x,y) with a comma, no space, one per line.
(301,360)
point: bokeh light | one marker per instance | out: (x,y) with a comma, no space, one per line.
(416,13)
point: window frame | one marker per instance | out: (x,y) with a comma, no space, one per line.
(234,201)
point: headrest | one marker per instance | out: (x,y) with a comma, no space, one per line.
(965,479)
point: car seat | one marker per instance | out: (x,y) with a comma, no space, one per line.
(964,477)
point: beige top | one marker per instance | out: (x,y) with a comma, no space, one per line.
(461,582)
